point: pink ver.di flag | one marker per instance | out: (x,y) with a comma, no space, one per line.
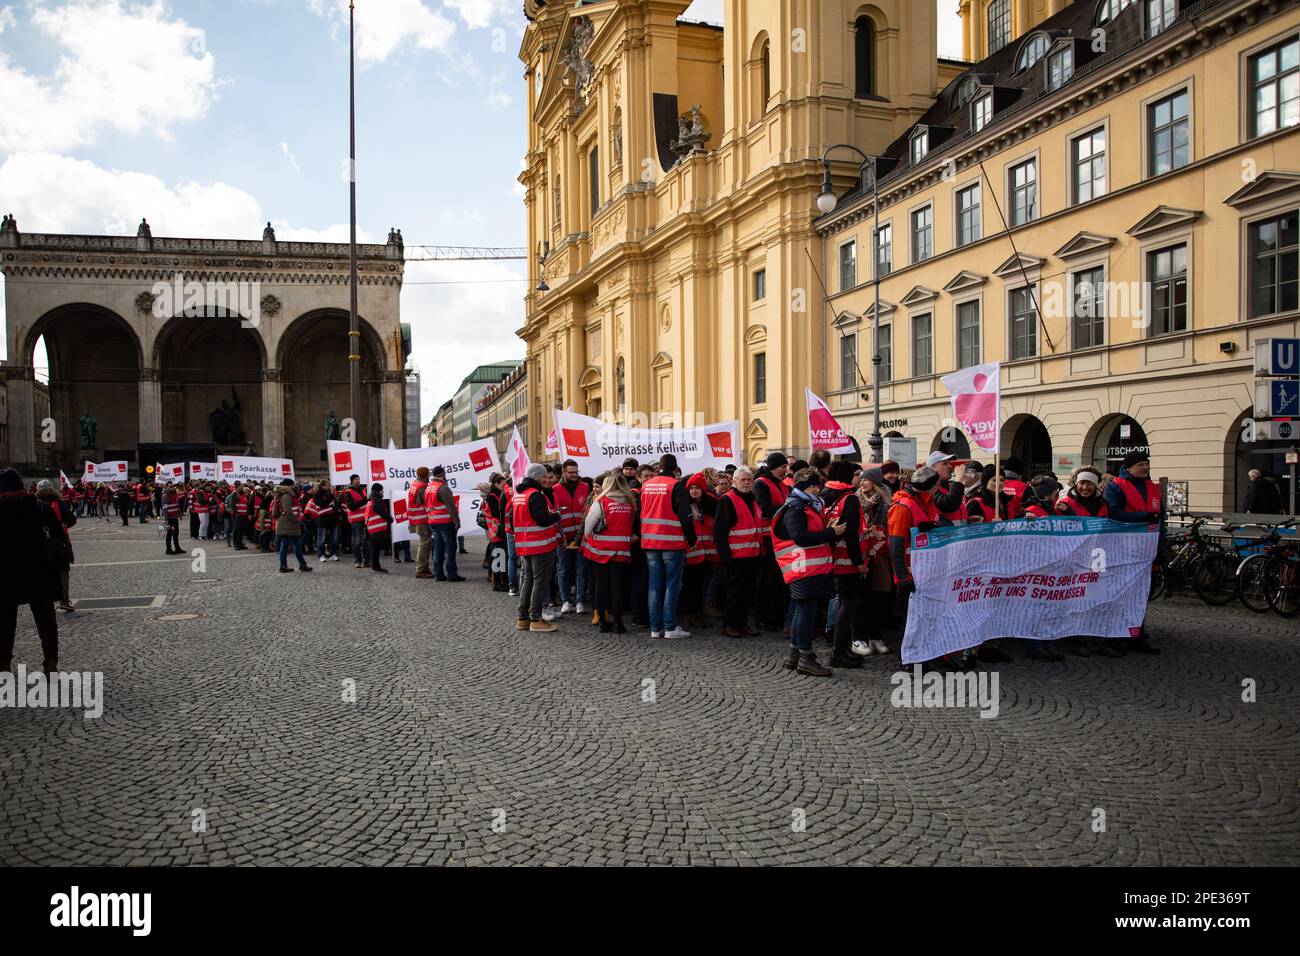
(517,458)
(976,397)
(824,430)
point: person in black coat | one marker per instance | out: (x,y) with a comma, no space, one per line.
(1262,495)
(792,524)
(380,540)
(31,539)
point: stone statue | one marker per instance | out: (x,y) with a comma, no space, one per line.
(88,429)
(143,231)
(268,234)
(333,427)
(227,422)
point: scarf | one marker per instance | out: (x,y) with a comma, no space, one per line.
(814,502)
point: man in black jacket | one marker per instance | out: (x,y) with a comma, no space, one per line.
(741,574)
(851,581)
(29,568)
(537,570)
(1262,495)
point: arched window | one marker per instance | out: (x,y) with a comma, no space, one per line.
(864,52)
(965,92)
(1031,51)
(999,25)
(765,83)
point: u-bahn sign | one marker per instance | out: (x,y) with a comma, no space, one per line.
(1277,398)
(1277,431)
(1279,357)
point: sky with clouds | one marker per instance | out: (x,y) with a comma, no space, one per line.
(211,117)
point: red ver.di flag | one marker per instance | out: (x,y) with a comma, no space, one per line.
(976,398)
(825,430)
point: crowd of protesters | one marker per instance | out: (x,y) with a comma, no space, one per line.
(801,547)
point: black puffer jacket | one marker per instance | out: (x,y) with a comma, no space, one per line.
(26,575)
(794,527)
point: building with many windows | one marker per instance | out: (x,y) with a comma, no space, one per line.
(1106,203)
(503,408)
(464,418)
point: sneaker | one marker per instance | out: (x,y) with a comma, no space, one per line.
(879,647)
(549,614)
(514,592)
(567,608)
(655,634)
(334,557)
(322,559)
(862,648)
(580,608)
(676,634)
(543,626)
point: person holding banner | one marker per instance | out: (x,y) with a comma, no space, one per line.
(949,495)
(494,509)
(354,501)
(571,493)
(171,509)
(379,522)
(738,536)
(1133,498)
(1084,499)
(418,519)
(851,571)
(992,503)
(701,557)
(770,493)
(444,524)
(536,527)
(802,542)
(910,508)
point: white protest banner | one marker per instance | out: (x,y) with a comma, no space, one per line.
(517,457)
(976,402)
(203,471)
(234,468)
(345,459)
(824,431)
(105,471)
(599,446)
(64,482)
(467,466)
(173,472)
(1043,579)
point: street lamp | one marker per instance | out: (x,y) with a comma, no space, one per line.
(826,202)
(354,332)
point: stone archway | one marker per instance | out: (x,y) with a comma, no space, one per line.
(1026,438)
(95,361)
(312,359)
(1110,439)
(203,362)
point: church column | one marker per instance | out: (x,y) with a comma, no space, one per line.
(21,382)
(150,405)
(273,442)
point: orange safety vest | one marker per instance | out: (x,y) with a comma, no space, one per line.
(704,550)
(798,563)
(531,538)
(355,504)
(661,529)
(241,506)
(375,523)
(415,510)
(171,506)
(1071,504)
(435,511)
(840,549)
(745,537)
(615,542)
(571,505)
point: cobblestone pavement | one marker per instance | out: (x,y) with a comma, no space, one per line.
(472,743)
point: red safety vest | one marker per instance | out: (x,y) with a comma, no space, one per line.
(956,514)
(1133,498)
(375,523)
(1035,511)
(779,493)
(415,510)
(798,563)
(745,538)
(355,503)
(615,542)
(840,549)
(661,529)
(241,506)
(704,550)
(571,505)
(1014,487)
(1013,511)
(200,502)
(435,511)
(171,506)
(1069,504)
(531,538)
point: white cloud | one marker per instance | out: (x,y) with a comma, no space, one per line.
(131,69)
(482,13)
(288,154)
(6,18)
(384,28)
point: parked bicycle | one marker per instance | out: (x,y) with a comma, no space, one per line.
(1276,556)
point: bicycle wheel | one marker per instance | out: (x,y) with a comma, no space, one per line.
(1157,584)
(1215,581)
(1282,585)
(1250,583)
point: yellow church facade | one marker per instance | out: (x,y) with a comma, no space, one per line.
(1104,200)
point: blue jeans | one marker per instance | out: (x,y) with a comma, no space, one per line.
(296,542)
(665,572)
(801,627)
(512,560)
(401,549)
(572,573)
(444,550)
(332,534)
(360,544)
(831,610)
